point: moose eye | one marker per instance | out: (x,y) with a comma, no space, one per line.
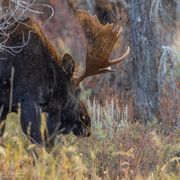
(78,91)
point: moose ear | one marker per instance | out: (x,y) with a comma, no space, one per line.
(68,65)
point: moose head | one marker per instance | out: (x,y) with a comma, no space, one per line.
(43,82)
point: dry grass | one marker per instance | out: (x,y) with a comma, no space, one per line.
(116,150)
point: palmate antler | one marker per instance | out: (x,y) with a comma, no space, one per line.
(100,42)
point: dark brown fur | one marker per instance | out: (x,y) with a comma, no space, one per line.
(42,83)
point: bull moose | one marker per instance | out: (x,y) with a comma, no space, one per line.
(41,81)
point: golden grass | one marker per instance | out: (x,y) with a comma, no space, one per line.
(116,150)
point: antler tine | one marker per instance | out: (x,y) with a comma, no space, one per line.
(118,60)
(100,42)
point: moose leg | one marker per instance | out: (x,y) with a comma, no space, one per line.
(52,128)
(3,114)
(31,121)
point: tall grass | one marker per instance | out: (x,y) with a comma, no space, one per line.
(117,149)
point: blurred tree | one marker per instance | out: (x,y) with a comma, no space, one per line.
(153,27)
(145,52)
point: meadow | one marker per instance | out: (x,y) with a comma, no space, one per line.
(117,149)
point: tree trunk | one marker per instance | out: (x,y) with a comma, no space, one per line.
(145,66)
